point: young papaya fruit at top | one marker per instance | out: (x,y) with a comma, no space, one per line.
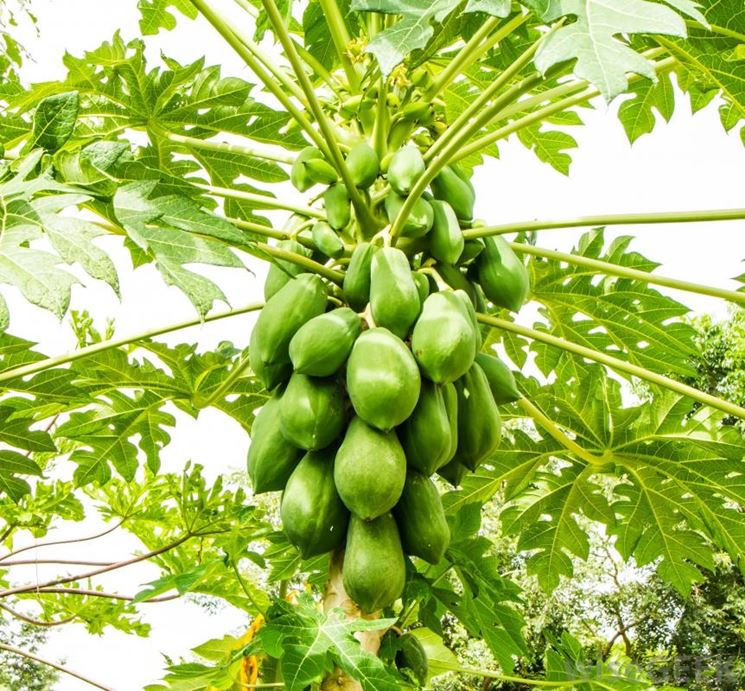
(443,338)
(320,171)
(479,424)
(314,517)
(383,380)
(299,174)
(271,458)
(471,249)
(311,412)
(422,285)
(405,169)
(419,221)
(426,435)
(502,275)
(326,240)
(446,239)
(394,299)
(374,569)
(321,346)
(363,164)
(453,472)
(356,286)
(411,655)
(281,271)
(418,111)
(501,380)
(369,470)
(451,188)
(337,205)
(284,313)
(421,519)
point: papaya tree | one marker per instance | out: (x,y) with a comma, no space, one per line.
(393,383)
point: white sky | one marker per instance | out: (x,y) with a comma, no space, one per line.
(689,164)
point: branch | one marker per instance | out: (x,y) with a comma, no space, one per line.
(96,572)
(53,665)
(36,622)
(649,218)
(261,201)
(341,39)
(616,364)
(270,154)
(48,363)
(98,593)
(301,260)
(634,274)
(73,562)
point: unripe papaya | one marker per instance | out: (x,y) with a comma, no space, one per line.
(285,312)
(271,458)
(479,424)
(450,187)
(356,286)
(322,345)
(394,299)
(383,379)
(471,249)
(421,519)
(363,164)
(422,285)
(418,111)
(446,239)
(299,176)
(369,470)
(411,655)
(311,413)
(502,275)
(337,205)
(314,517)
(281,271)
(418,223)
(374,569)
(443,339)
(453,472)
(470,312)
(450,397)
(426,435)
(320,171)
(501,380)
(405,169)
(456,279)
(326,240)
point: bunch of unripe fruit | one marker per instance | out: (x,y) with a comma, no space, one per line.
(379,383)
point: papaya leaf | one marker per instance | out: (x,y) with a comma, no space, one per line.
(637,114)
(54,120)
(13,464)
(156,14)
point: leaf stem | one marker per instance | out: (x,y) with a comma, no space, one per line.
(648,218)
(53,665)
(258,228)
(82,592)
(221,391)
(36,622)
(261,201)
(341,38)
(49,363)
(270,154)
(616,364)
(300,260)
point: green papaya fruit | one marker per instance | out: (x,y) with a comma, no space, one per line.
(363,165)
(299,174)
(405,169)
(450,187)
(326,240)
(443,339)
(411,655)
(471,249)
(284,313)
(456,279)
(421,519)
(398,133)
(322,345)
(501,380)
(446,239)
(502,275)
(374,569)
(320,171)
(418,111)
(479,424)
(271,458)
(470,312)
(337,205)
(313,515)
(383,380)
(356,286)
(369,470)
(426,434)
(419,221)
(311,414)
(394,299)
(450,397)
(453,472)
(281,271)
(422,285)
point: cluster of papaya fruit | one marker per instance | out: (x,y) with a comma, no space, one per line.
(379,383)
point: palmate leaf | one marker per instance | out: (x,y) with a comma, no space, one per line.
(627,319)
(158,14)
(54,120)
(637,114)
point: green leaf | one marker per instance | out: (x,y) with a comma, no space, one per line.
(496,8)
(637,114)
(54,120)
(155,14)
(603,59)
(13,464)
(549,146)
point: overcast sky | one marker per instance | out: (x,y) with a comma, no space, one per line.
(688,164)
